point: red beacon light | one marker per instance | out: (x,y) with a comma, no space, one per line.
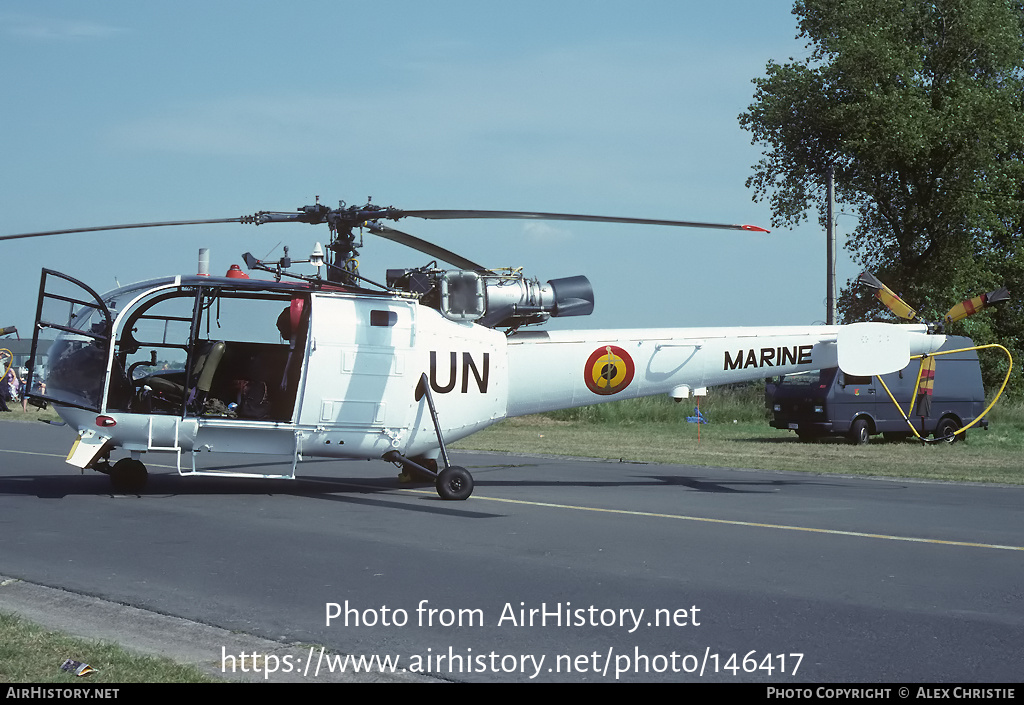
(235,272)
(105,421)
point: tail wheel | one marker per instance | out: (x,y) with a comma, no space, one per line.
(947,430)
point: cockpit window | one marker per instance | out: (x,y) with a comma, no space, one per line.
(247,317)
(163,322)
(152,346)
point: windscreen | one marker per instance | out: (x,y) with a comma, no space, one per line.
(813,379)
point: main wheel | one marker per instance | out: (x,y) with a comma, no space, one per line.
(454,483)
(860,432)
(128,475)
(947,430)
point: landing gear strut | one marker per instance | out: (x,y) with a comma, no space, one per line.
(454,482)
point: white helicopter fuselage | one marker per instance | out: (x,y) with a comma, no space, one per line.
(350,384)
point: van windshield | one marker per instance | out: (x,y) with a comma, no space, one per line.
(812,378)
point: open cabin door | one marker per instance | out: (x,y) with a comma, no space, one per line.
(76,362)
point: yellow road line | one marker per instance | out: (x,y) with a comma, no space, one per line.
(733,522)
(29,452)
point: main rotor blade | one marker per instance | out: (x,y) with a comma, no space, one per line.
(529,215)
(122,227)
(428,248)
(370,214)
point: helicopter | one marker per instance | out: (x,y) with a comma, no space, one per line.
(338,366)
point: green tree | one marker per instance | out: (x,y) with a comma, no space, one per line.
(919,107)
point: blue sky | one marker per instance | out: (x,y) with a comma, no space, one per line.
(121,112)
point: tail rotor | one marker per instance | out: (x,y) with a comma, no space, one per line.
(901,309)
(927,372)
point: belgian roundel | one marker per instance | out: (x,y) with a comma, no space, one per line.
(609,370)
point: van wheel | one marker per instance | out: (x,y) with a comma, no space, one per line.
(860,432)
(946,430)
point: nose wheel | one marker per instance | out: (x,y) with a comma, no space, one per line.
(128,475)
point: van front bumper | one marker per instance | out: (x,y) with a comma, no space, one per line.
(822,428)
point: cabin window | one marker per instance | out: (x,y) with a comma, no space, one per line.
(214,353)
(257,343)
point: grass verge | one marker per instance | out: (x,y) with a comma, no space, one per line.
(31,654)
(33,413)
(738,435)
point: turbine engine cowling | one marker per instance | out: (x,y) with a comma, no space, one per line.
(513,299)
(496,299)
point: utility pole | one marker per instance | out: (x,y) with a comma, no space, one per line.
(830,234)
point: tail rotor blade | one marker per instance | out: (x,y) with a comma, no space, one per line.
(971,306)
(886,295)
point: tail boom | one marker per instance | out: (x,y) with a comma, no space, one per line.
(563,369)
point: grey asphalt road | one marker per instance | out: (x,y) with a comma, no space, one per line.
(555,570)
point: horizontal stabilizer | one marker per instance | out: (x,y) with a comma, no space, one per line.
(867,349)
